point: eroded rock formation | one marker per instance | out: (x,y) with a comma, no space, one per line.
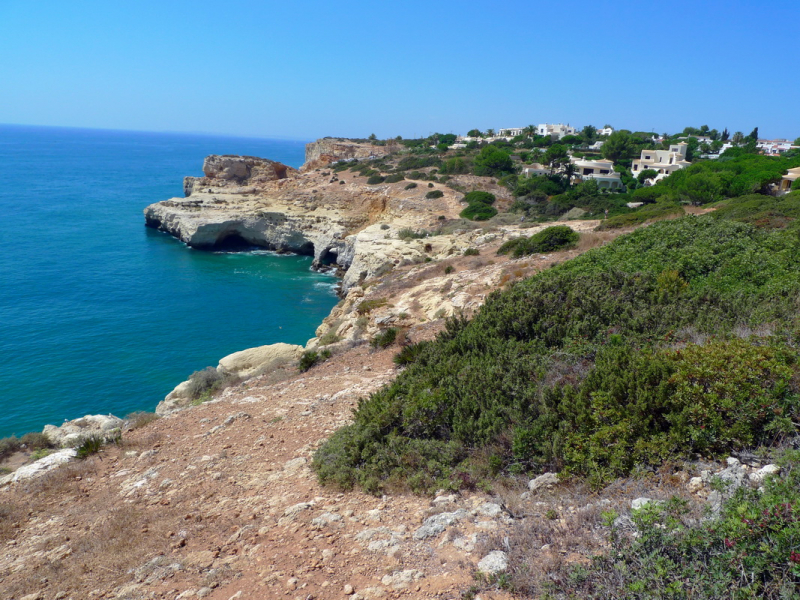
(329,150)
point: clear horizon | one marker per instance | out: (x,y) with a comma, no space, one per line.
(310,69)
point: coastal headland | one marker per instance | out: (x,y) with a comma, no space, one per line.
(218,495)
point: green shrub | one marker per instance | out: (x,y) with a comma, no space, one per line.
(375,179)
(430,185)
(31,442)
(641,215)
(478,212)
(384,339)
(308,359)
(479,197)
(366,306)
(448,269)
(434,194)
(409,354)
(88,445)
(551,239)
(410,186)
(394,178)
(589,367)
(471,252)
(749,551)
(765,212)
(205,384)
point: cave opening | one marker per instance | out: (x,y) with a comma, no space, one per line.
(327,257)
(232,242)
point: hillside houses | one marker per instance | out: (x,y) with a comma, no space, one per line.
(555,131)
(601,170)
(663,162)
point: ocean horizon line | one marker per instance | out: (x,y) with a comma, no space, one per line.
(164,132)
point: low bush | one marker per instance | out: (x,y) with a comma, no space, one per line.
(646,213)
(478,196)
(591,367)
(310,358)
(410,186)
(88,445)
(551,239)
(375,179)
(409,354)
(479,206)
(384,339)
(471,252)
(30,442)
(366,306)
(410,234)
(329,337)
(478,212)
(394,178)
(434,194)
(749,551)
(205,384)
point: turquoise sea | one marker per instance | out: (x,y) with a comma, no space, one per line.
(99,314)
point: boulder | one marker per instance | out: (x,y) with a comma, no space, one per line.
(493,563)
(175,400)
(758,476)
(255,361)
(70,433)
(545,481)
(40,467)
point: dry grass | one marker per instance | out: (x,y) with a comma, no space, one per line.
(595,239)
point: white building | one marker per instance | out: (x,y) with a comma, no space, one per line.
(774,147)
(663,162)
(602,171)
(535,169)
(557,131)
(605,131)
(510,132)
(788,179)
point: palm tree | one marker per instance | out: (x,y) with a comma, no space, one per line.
(529,131)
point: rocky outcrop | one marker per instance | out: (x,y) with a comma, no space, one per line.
(329,150)
(39,467)
(71,432)
(236,174)
(255,361)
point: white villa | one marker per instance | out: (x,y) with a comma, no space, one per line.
(774,147)
(663,162)
(602,171)
(605,131)
(556,131)
(509,132)
(788,179)
(535,169)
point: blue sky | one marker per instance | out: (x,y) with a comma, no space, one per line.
(308,69)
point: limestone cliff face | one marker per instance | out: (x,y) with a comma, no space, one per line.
(328,150)
(249,201)
(237,174)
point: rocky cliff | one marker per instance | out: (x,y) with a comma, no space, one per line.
(328,150)
(245,201)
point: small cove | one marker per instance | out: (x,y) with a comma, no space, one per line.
(99,314)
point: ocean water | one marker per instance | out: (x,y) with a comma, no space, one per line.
(99,314)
